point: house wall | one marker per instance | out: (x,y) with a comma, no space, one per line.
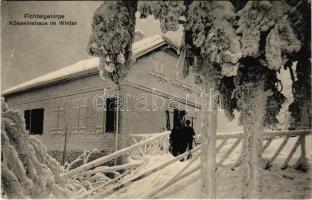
(71,102)
(65,100)
(156,77)
(142,115)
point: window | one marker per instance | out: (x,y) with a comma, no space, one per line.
(111,114)
(34,121)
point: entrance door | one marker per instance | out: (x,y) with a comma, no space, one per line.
(178,118)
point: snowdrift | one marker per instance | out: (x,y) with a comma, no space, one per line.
(276,183)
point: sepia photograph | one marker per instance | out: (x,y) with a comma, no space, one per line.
(158,99)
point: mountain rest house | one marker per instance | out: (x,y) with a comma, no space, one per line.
(74,108)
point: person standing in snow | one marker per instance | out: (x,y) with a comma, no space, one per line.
(188,134)
(175,140)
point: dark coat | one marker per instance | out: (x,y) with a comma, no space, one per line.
(188,134)
(176,140)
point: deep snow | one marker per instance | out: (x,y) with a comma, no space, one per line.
(276,183)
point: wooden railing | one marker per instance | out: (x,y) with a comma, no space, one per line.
(95,176)
(150,141)
(158,143)
(144,173)
(158,146)
(235,141)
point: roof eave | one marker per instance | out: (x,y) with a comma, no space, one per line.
(18,89)
(48,83)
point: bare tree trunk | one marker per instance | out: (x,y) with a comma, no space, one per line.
(253,133)
(208,140)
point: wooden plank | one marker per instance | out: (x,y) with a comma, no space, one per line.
(280,148)
(133,139)
(219,147)
(302,159)
(143,174)
(292,133)
(135,142)
(114,168)
(267,134)
(229,151)
(111,156)
(269,141)
(101,187)
(293,150)
(229,136)
(148,134)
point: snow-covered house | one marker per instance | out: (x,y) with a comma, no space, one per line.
(73,101)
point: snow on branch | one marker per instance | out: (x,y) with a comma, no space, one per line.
(112,36)
(28,171)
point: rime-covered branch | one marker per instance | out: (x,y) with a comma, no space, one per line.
(28,171)
(112,36)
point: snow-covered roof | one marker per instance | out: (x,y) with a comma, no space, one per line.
(86,66)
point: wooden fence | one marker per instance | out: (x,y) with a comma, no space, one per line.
(158,143)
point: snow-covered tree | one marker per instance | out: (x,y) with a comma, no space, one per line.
(235,47)
(300,109)
(111,39)
(112,36)
(27,170)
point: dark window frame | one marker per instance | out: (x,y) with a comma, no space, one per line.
(111,115)
(34,121)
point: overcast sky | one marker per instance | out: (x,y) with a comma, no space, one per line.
(31,51)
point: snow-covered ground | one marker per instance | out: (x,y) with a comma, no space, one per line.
(276,183)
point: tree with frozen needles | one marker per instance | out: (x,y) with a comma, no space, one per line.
(236,47)
(27,170)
